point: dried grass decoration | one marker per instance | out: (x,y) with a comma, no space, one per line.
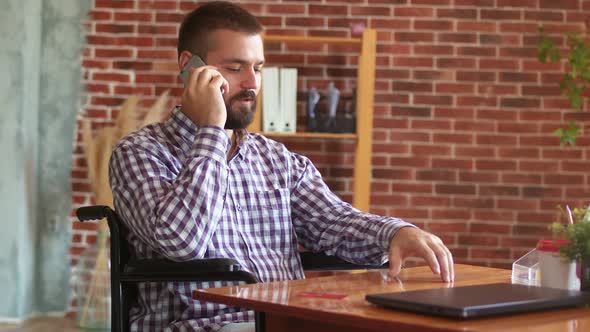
(94,307)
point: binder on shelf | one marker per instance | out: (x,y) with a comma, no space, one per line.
(288,99)
(271,112)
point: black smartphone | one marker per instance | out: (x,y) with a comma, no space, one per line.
(194,62)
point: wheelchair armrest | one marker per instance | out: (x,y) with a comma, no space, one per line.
(93,212)
(161,269)
(312,261)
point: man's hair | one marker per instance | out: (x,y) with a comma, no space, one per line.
(208,17)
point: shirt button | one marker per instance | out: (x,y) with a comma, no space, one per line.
(239,208)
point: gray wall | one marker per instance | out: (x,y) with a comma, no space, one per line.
(39,99)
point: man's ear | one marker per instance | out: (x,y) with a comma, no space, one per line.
(184,57)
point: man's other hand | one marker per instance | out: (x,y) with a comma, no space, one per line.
(414,242)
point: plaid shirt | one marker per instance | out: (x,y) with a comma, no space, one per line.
(182,199)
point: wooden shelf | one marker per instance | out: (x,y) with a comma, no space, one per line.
(364,102)
(312,135)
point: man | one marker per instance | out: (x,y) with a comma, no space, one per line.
(200,186)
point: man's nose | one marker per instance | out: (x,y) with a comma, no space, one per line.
(249,80)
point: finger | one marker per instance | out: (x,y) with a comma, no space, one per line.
(443,261)
(219,83)
(451,264)
(395,261)
(430,257)
(204,76)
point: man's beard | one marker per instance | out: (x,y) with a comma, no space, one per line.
(239,117)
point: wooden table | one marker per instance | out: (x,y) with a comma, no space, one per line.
(287,309)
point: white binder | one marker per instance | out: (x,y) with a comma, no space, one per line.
(288,99)
(271,111)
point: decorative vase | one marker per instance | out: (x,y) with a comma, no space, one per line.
(93,289)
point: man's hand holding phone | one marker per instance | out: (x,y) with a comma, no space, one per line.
(202,100)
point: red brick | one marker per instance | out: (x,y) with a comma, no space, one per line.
(433,99)
(313,9)
(478,240)
(306,21)
(452,163)
(518,153)
(486,177)
(436,175)
(111,77)
(114,28)
(474,126)
(446,227)
(169,17)
(459,13)
(498,64)
(476,76)
(159,5)
(496,14)
(475,3)
(454,88)
(370,11)
(99,15)
(500,165)
(412,86)
(438,25)
(455,62)
(418,200)
(544,16)
(116,4)
(134,16)
(393,174)
(392,24)
(477,51)
(452,37)
(496,140)
(285,9)
(476,26)
(520,102)
(413,62)
(425,150)
(431,124)
(450,214)
(413,12)
(455,189)
(389,200)
(562,4)
(522,178)
(414,37)
(518,3)
(477,101)
(171,30)
(433,49)
(516,127)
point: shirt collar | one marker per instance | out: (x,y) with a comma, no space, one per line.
(187,130)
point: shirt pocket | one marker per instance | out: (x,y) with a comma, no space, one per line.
(274,227)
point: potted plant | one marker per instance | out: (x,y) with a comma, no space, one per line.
(577,232)
(576,79)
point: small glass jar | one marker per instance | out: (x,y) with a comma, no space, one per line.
(556,271)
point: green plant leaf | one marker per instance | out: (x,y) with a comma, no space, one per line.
(567,136)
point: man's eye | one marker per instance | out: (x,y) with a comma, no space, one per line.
(258,70)
(235,70)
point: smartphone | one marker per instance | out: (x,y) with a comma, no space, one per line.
(194,62)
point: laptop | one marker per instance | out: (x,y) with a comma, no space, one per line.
(480,300)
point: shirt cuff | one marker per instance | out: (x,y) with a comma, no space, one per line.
(211,142)
(387,233)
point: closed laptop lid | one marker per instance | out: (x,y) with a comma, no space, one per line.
(480,300)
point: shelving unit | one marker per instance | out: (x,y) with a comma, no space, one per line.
(364,117)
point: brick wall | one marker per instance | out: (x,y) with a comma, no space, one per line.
(463,110)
